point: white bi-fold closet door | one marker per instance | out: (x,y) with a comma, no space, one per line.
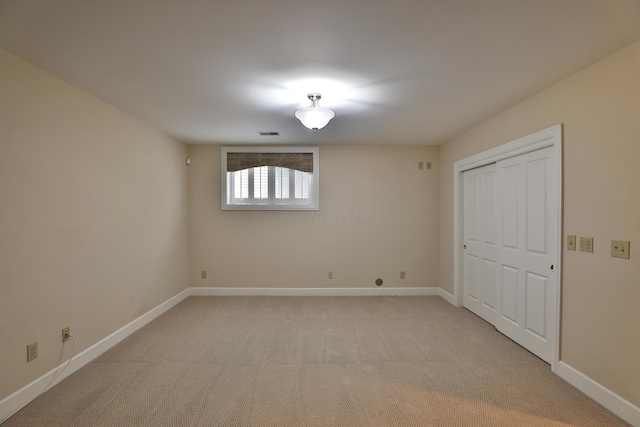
(510,230)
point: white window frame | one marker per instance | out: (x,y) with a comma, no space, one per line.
(270,203)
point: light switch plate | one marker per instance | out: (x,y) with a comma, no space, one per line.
(586,244)
(620,248)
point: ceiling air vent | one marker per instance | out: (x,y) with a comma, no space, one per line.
(269,133)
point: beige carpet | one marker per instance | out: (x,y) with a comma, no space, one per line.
(315,361)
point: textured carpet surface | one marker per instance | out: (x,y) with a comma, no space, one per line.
(315,361)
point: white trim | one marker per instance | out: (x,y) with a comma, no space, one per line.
(447,296)
(550,137)
(295,292)
(616,404)
(13,403)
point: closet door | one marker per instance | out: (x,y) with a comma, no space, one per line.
(526,305)
(480,242)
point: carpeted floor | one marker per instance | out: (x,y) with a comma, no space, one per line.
(315,361)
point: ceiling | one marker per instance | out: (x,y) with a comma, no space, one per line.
(394,71)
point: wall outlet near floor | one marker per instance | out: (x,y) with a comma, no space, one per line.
(66,334)
(620,248)
(331,275)
(32,351)
(586,244)
(402,275)
(571,242)
(203,274)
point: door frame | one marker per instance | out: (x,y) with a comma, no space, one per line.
(550,137)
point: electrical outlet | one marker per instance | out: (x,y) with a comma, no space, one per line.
(586,244)
(620,248)
(32,351)
(66,334)
(203,274)
(571,242)
(402,275)
(331,275)
(428,165)
(421,165)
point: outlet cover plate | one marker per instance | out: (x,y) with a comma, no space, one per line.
(571,242)
(32,351)
(620,248)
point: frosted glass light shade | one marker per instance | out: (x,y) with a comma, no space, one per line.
(314,117)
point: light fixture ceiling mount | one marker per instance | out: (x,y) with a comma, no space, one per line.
(314,117)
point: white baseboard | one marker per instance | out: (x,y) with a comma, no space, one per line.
(616,404)
(291,292)
(13,403)
(447,296)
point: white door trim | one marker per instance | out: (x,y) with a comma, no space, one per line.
(550,137)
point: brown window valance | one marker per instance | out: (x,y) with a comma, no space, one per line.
(299,161)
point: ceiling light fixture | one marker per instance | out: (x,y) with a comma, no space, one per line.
(314,117)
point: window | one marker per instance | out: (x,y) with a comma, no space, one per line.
(269,178)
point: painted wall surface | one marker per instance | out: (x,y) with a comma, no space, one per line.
(93,223)
(599,108)
(378,216)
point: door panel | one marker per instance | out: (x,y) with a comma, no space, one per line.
(509,301)
(536,296)
(527,287)
(536,207)
(509,207)
(488,284)
(488,214)
(471,276)
(479,284)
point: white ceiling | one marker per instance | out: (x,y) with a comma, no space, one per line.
(394,71)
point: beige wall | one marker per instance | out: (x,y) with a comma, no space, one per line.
(600,109)
(378,216)
(93,218)
(93,224)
